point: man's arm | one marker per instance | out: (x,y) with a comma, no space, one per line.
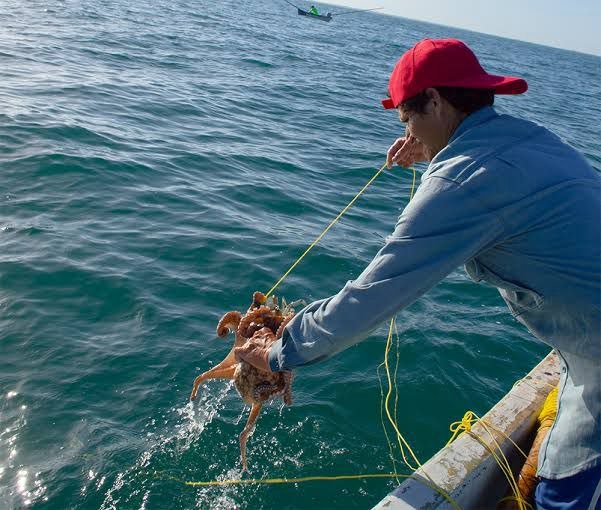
(441,228)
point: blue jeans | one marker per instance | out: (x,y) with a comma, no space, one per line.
(579,492)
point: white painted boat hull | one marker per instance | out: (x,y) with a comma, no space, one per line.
(465,469)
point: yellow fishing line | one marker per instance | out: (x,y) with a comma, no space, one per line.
(390,448)
(326,230)
(401,440)
(465,426)
(503,463)
(271,481)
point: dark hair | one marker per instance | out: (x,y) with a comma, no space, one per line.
(465,100)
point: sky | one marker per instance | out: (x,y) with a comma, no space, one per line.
(569,24)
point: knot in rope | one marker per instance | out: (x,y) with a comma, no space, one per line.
(465,425)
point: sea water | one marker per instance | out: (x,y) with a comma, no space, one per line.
(160,161)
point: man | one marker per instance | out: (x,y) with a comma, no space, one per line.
(521,209)
(313,10)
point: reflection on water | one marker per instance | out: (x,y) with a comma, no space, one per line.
(19,484)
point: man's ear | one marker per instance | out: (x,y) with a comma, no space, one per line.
(435,98)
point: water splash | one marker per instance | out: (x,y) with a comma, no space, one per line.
(175,442)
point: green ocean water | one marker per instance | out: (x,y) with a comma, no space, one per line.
(159,163)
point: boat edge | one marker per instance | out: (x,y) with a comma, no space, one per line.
(465,469)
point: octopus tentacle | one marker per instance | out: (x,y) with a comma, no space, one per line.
(228,323)
(217,372)
(248,430)
(288,376)
(273,322)
(259,299)
(283,324)
(254,315)
(264,391)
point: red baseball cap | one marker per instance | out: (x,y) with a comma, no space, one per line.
(443,63)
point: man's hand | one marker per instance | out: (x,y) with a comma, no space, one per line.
(405,151)
(256,349)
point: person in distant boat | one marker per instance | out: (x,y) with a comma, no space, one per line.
(313,11)
(520,209)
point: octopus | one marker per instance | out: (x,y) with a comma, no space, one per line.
(264,320)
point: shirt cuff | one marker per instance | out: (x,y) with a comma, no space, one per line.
(275,356)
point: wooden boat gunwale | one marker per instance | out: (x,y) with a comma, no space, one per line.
(465,469)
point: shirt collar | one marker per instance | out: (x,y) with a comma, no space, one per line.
(478,117)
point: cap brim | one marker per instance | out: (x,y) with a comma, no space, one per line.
(388,103)
(511,85)
(500,84)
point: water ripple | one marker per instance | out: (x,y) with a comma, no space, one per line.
(158,166)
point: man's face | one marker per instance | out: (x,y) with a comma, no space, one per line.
(432,128)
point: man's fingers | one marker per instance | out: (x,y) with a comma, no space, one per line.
(254,355)
(411,152)
(403,154)
(392,151)
(255,350)
(248,353)
(395,145)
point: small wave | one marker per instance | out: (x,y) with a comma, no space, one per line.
(28,230)
(256,62)
(293,57)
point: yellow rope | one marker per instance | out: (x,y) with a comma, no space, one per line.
(402,442)
(390,449)
(465,426)
(326,230)
(270,481)
(458,427)
(503,463)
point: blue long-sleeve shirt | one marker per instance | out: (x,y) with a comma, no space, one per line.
(522,210)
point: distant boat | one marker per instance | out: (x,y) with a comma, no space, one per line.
(327,17)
